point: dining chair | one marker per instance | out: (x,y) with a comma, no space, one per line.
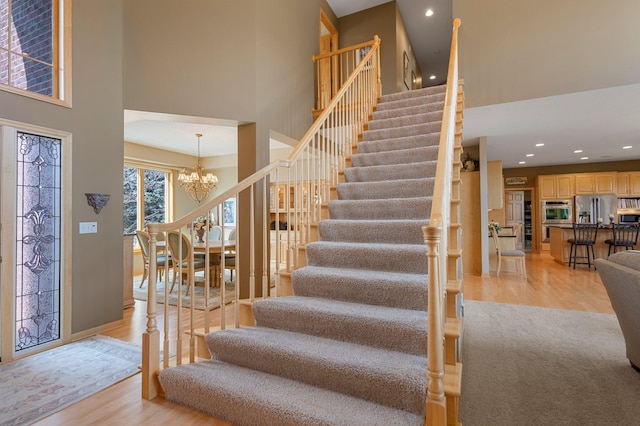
(230,256)
(189,264)
(215,233)
(623,235)
(143,242)
(517,255)
(584,234)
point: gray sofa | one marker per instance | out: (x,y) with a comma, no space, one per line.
(621,277)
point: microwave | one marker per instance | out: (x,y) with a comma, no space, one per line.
(559,211)
(629,217)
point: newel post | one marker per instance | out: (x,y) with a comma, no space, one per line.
(151,337)
(436,409)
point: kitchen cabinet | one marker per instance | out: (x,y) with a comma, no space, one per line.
(596,183)
(556,187)
(628,184)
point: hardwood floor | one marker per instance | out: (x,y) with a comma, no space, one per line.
(548,284)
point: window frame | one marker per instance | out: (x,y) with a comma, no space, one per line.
(170,178)
(61,58)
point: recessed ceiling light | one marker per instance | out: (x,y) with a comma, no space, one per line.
(577,151)
(429,12)
(432,77)
(584,158)
(529,155)
(539,144)
(522,162)
(627,147)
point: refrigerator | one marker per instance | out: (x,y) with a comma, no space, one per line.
(588,208)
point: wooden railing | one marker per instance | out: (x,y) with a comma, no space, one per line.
(308,177)
(334,68)
(442,237)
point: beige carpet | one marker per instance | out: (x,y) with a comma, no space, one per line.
(525,366)
(214,294)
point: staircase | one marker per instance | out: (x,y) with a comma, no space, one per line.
(350,346)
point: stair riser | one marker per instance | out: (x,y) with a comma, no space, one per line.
(372,231)
(386,189)
(246,397)
(400,112)
(406,103)
(409,142)
(319,369)
(408,156)
(407,335)
(395,292)
(374,258)
(400,132)
(392,172)
(409,208)
(420,93)
(406,120)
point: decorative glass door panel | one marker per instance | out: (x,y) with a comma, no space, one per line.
(38,244)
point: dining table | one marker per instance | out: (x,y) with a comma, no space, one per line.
(215,246)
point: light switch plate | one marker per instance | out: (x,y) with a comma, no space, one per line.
(88,227)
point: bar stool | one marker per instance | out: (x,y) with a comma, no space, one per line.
(584,234)
(624,235)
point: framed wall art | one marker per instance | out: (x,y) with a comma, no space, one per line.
(406,70)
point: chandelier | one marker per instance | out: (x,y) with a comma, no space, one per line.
(196,183)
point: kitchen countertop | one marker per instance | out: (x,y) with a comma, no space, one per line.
(568,226)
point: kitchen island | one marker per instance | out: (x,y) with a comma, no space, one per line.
(559,247)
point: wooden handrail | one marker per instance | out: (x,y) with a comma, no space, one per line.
(344,50)
(436,238)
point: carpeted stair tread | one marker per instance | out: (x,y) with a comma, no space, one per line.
(391,172)
(406,231)
(400,112)
(400,156)
(406,188)
(356,370)
(391,208)
(365,286)
(398,132)
(408,142)
(410,102)
(384,288)
(419,93)
(382,327)
(405,120)
(251,398)
(410,258)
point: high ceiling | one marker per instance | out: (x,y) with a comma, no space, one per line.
(598,122)
(430,36)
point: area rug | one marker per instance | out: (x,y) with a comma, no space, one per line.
(37,386)
(525,365)
(214,295)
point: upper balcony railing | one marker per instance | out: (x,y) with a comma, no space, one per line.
(334,68)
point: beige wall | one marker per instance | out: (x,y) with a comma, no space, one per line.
(386,22)
(96,125)
(193,57)
(511,51)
